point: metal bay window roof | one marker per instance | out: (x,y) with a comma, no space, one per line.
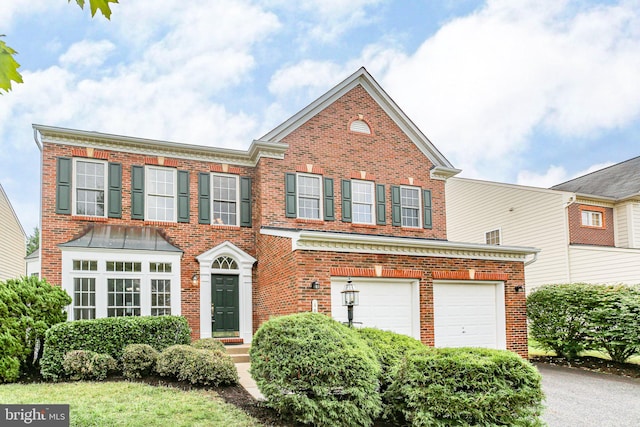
(99,236)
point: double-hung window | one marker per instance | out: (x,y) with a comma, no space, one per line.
(225,199)
(363,200)
(410,204)
(161,194)
(592,219)
(89,182)
(84,289)
(309,196)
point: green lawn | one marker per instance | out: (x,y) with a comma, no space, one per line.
(130,404)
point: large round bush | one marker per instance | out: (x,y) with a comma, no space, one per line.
(138,360)
(316,370)
(466,386)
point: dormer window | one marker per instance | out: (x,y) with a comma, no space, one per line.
(360,126)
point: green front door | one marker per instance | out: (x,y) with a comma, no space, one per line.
(225,316)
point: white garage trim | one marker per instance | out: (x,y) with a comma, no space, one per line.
(391,304)
(469,313)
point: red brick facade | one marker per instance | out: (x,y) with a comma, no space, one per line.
(584,235)
(281,276)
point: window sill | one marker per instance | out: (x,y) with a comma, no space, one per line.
(309,221)
(372,226)
(592,227)
(223,226)
(161,223)
(89,218)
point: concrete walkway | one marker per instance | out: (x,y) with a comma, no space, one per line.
(247,382)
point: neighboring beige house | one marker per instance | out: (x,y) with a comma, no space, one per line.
(588,229)
(13,246)
(33,263)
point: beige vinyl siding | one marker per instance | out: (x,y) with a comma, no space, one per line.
(634,225)
(622,215)
(12,241)
(595,264)
(527,216)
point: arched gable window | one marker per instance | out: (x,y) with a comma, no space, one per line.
(360,126)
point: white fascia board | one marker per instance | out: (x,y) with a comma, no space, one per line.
(118,251)
(151,147)
(360,243)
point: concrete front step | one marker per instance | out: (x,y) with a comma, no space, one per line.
(239,353)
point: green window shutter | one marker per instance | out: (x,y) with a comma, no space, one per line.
(245,201)
(381,206)
(183,196)
(290,195)
(346,200)
(329,204)
(426,201)
(396,207)
(115,190)
(63,185)
(137,192)
(204,198)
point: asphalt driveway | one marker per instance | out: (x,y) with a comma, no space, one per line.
(581,398)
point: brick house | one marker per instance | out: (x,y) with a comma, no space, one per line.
(347,188)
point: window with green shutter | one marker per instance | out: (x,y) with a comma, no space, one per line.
(204,198)
(346,200)
(137,192)
(245,201)
(183,196)
(381,205)
(63,185)
(329,204)
(426,199)
(114,201)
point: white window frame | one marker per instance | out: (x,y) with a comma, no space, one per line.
(371,205)
(163,293)
(148,195)
(74,182)
(488,236)
(587,216)
(127,276)
(84,307)
(320,197)
(402,206)
(102,276)
(237,200)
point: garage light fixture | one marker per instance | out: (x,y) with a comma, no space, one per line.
(349,299)
(315,285)
(519,288)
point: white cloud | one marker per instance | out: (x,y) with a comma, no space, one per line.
(12,9)
(87,53)
(554,175)
(484,83)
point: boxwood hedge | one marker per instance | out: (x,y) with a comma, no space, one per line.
(109,336)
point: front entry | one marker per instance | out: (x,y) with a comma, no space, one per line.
(225,306)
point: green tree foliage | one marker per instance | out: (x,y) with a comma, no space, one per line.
(9,66)
(316,371)
(28,308)
(33,241)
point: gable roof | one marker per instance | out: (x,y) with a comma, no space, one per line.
(619,181)
(442,167)
(15,216)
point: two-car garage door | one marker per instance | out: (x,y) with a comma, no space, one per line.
(466,314)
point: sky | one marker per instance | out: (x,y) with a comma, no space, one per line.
(530,92)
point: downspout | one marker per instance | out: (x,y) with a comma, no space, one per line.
(567,243)
(532,260)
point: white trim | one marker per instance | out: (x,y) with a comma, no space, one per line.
(101,275)
(245,287)
(237,201)
(147,193)
(74,187)
(373,244)
(501,322)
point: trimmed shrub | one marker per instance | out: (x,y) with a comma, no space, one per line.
(559,317)
(110,336)
(615,322)
(138,360)
(88,365)
(390,348)
(208,367)
(198,366)
(316,370)
(209,344)
(28,307)
(170,360)
(466,386)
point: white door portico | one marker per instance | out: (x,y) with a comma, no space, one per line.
(242,268)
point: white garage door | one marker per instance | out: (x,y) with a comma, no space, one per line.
(469,314)
(387,304)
